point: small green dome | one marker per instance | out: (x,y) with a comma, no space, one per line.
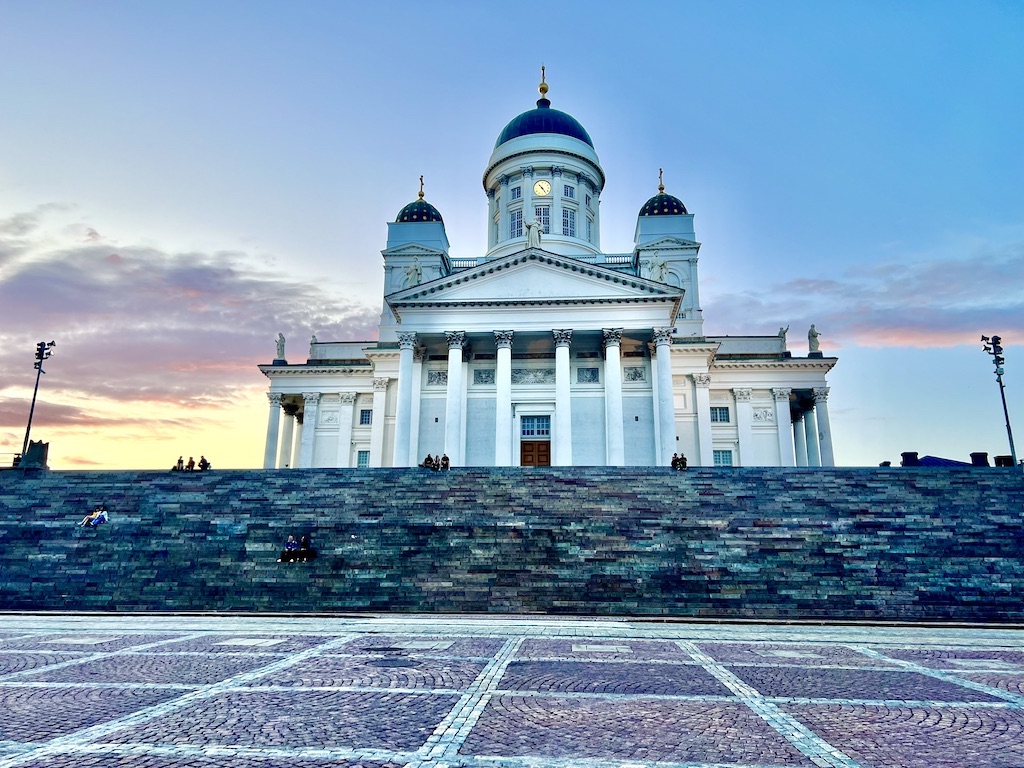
(663,205)
(419,210)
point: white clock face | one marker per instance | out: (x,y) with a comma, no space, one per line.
(542,188)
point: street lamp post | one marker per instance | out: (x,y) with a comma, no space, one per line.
(43,351)
(994,347)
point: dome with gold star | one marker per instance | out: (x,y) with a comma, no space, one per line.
(663,204)
(419,210)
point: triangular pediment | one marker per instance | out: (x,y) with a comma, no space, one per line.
(533,276)
(412,249)
(670,244)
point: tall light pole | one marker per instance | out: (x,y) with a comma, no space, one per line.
(43,351)
(994,347)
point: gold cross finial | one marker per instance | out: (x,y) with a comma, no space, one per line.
(543,87)
(661,184)
(421,186)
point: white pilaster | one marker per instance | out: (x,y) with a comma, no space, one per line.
(503,400)
(615,445)
(800,436)
(562,448)
(273,427)
(702,404)
(783,426)
(284,454)
(666,405)
(346,418)
(311,402)
(824,427)
(811,433)
(403,410)
(453,398)
(744,427)
(380,394)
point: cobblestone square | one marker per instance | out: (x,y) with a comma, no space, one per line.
(390,691)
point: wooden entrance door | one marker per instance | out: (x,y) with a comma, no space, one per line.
(535,453)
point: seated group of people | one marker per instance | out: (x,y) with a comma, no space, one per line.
(301,550)
(96,517)
(437,462)
(678,461)
(181,466)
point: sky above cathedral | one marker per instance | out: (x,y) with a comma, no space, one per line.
(181,181)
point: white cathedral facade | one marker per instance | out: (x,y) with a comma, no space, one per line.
(545,349)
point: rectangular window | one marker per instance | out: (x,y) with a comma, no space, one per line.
(569,192)
(516,193)
(543,212)
(719,415)
(515,223)
(588,200)
(590,230)
(365,416)
(568,222)
(535,426)
(363,459)
(723,458)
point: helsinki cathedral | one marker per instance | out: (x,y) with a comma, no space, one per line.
(545,350)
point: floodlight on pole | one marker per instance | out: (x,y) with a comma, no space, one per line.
(43,351)
(993,346)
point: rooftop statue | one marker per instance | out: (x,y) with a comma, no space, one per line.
(280,346)
(533,233)
(812,339)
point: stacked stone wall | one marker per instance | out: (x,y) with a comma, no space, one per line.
(901,544)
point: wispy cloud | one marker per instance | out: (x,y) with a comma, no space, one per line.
(936,304)
(136,324)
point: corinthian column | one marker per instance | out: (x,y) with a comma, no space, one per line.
(503,400)
(811,435)
(563,407)
(615,449)
(284,455)
(380,394)
(702,403)
(310,404)
(666,400)
(783,426)
(744,427)
(453,404)
(346,418)
(273,427)
(403,411)
(824,427)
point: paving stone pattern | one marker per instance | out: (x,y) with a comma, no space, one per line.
(905,544)
(423,692)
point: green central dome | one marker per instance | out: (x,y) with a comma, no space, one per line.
(543,119)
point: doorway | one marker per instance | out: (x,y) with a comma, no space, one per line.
(535,453)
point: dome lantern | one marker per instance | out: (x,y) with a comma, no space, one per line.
(663,204)
(419,210)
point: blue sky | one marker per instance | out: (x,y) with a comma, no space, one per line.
(180,181)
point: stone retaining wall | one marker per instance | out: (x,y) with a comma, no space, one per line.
(754,542)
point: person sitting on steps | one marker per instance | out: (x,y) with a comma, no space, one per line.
(445,462)
(291,551)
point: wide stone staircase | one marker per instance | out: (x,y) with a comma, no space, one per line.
(765,543)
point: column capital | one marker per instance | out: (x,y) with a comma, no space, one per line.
(820,394)
(347,398)
(419,354)
(381,384)
(503,179)
(556,171)
(290,409)
(663,335)
(742,394)
(701,379)
(274,398)
(527,171)
(456,339)
(503,339)
(407,340)
(563,337)
(311,398)
(612,336)
(490,193)
(781,393)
